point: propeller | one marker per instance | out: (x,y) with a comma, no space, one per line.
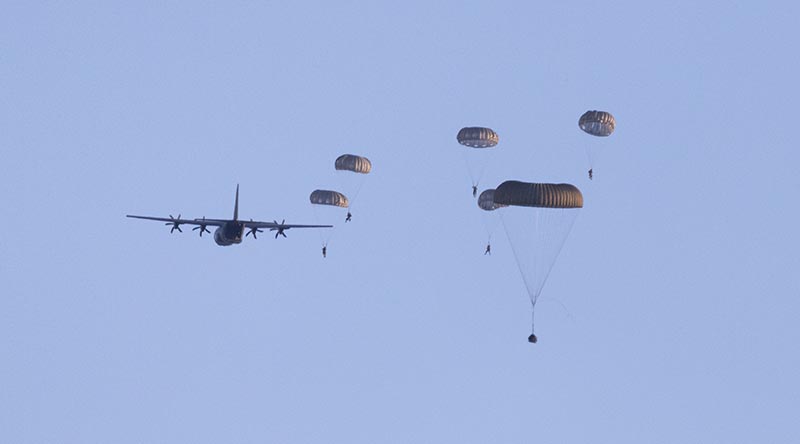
(279,230)
(175,224)
(202,227)
(253,231)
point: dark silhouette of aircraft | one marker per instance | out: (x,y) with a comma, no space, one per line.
(229,231)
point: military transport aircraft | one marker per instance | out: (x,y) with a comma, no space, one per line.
(229,231)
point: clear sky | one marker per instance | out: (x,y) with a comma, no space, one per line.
(670,316)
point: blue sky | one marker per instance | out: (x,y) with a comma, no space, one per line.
(670,315)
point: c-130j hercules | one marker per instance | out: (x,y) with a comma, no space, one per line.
(229,231)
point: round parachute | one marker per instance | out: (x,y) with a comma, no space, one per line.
(538,220)
(328,204)
(477,160)
(486,201)
(477,137)
(543,195)
(351,162)
(327,197)
(351,173)
(597,123)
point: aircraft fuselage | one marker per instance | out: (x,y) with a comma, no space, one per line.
(229,233)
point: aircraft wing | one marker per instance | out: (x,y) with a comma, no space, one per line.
(206,222)
(278,226)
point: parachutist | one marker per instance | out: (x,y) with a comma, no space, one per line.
(488,250)
(349,217)
(479,138)
(325,251)
(590,174)
(532,338)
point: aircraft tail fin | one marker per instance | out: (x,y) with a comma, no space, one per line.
(236,206)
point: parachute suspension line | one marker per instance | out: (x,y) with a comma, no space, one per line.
(548,235)
(486,164)
(516,257)
(557,242)
(483,167)
(563,306)
(489,223)
(317,220)
(552,244)
(323,238)
(535,297)
(357,192)
(536,229)
(477,161)
(590,155)
(465,156)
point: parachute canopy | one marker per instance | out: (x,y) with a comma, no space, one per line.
(327,197)
(477,137)
(597,123)
(543,195)
(356,164)
(486,201)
